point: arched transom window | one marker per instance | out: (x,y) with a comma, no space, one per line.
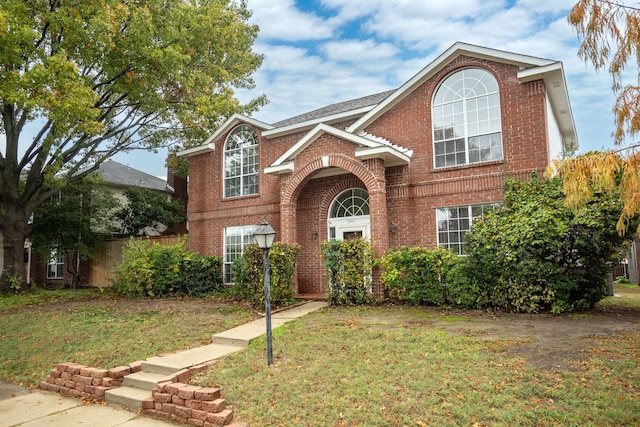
(241,162)
(466,119)
(353,202)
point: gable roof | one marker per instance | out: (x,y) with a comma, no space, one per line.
(369,146)
(365,110)
(531,68)
(209,143)
(119,175)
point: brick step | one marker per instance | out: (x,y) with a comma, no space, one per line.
(128,397)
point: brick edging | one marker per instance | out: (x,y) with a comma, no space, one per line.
(171,399)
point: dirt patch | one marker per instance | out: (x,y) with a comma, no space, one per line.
(548,341)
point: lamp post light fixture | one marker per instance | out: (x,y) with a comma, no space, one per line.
(264,235)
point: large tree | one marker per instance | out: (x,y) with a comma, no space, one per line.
(81,80)
(610,34)
(74,223)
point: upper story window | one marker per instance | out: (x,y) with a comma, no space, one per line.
(241,162)
(466,119)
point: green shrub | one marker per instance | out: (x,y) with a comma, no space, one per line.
(349,265)
(202,275)
(416,275)
(153,270)
(535,254)
(249,274)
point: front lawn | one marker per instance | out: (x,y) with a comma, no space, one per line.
(98,329)
(405,367)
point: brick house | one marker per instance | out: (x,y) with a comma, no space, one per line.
(407,167)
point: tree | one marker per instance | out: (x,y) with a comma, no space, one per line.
(74,223)
(83,80)
(146,209)
(610,32)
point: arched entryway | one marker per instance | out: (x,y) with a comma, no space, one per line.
(348,216)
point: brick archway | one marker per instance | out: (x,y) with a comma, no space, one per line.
(370,172)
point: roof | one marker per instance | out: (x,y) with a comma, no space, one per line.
(365,110)
(117,174)
(338,108)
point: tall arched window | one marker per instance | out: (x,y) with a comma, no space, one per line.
(466,119)
(241,162)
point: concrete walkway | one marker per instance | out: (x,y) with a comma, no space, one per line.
(30,409)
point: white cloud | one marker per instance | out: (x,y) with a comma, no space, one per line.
(281,20)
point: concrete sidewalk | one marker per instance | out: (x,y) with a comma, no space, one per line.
(18,407)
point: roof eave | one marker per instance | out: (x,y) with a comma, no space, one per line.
(390,156)
(196,151)
(556,89)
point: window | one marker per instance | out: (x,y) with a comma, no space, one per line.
(454,222)
(241,162)
(235,239)
(466,119)
(354,202)
(55,266)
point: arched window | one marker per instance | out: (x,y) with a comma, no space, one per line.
(353,202)
(466,119)
(241,162)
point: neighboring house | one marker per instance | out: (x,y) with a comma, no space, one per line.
(408,167)
(116,178)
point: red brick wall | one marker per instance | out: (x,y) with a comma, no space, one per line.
(413,192)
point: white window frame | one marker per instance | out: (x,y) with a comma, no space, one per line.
(241,162)
(55,265)
(466,119)
(456,245)
(236,237)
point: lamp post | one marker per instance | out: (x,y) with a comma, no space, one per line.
(264,236)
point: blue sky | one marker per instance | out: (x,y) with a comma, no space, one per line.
(326,51)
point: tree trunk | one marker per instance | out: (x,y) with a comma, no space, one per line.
(13,228)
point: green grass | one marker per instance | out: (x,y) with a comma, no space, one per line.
(101,330)
(341,367)
(357,366)
(626,296)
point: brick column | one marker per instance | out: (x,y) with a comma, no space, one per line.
(378,216)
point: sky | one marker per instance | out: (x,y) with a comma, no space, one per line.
(319,52)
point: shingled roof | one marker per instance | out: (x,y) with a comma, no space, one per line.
(340,107)
(120,175)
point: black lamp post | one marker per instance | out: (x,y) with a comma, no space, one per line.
(264,236)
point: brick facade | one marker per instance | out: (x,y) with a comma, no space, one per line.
(403,198)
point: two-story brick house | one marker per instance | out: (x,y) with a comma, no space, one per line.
(411,166)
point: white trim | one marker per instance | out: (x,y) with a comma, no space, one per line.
(195,151)
(377,148)
(280,169)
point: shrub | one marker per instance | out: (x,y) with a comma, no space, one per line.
(349,264)
(155,270)
(535,254)
(416,275)
(202,275)
(248,274)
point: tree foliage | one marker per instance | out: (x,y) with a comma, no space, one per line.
(610,32)
(83,80)
(147,210)
(535,254)
(74,223)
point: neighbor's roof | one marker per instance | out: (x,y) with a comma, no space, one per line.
(117,174)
